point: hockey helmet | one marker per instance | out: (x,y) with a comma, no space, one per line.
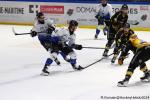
(73,23)
(39,14)
(124,7)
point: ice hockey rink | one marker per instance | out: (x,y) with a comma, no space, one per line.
(22,58)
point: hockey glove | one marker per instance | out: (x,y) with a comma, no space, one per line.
(50,30)
(78,47)
(120,61)
(118,42)
(98,17)
(33,33)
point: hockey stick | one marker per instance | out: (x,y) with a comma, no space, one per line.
(98,61)
(19,33)
(22,33)
(99,47)
(93,47)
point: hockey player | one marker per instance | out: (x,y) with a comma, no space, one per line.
(43,28)
(121,40)
(64,40)
(117,21)
(103,16)
(141,56)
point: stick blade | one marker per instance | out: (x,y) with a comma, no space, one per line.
(14,31)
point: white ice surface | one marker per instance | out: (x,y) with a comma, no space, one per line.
(22,58)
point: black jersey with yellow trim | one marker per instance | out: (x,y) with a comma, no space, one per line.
(119,19)
(123,36)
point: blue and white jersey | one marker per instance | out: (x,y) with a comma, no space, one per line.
(38,27)
(104,12)
(64,36)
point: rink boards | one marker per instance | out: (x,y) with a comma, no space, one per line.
(23,13)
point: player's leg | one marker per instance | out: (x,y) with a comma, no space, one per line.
(110,37)
(132,66)
(100,22)
(69,51)
(73,61)
(107,47)
(106,28)
(48,62)
(146,72)
(116,53)
(145,56)
(53,52)
(65,57)
(97,31)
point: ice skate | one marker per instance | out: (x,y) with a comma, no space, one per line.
(146,77)
(123,83)
(45,72)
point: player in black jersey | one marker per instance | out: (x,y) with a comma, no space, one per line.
(121,40)
(142,54)
(117,21)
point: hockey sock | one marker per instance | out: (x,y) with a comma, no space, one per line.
(63,55)
(144,69)
(48,62)
(72,62)
(97,31)
(128,75)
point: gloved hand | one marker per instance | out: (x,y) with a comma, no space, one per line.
(98,17)
(33,33)
(118,42)
(123,46)
(78,47)
(50,30)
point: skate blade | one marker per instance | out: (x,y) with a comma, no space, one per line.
(121,85)
(44,74)
(145,80)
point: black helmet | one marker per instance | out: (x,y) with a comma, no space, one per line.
(73,23)
(126,25)
(39,14)
(124,6)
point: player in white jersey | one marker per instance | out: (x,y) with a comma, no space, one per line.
(64,40)
(43,28)
(103,16)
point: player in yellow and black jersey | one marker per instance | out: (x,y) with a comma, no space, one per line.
(121,40)
(117,21)
(140,57)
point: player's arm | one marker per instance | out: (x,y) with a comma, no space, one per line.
(51,26)
(114,18)
(118,37)
(72,43)
(110,10)
(97,16)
